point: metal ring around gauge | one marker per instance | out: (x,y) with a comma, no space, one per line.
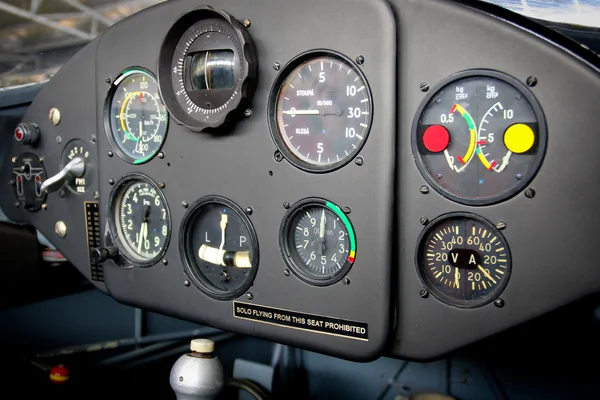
(274,97)
(125,259)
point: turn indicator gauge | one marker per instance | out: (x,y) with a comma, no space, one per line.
(480,138)
(463,260)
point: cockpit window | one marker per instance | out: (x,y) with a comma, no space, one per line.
(38,36)
(573,12)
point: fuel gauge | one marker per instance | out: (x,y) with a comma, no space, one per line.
(219,248)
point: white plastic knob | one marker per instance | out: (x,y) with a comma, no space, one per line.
(202,345)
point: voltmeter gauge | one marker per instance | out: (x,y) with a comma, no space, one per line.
(463,260)
(320,111)
(136,118)
(219,248)
(318,242)
(139,220)
(480,138)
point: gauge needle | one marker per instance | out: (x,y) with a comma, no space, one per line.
(456,276)
(487,274)
(322,231)
(301,112)
(141,237)
(223,226)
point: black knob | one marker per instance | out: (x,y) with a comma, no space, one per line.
(27,133)
(101,254)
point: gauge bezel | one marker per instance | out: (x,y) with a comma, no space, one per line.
(107,116)
(188,260)
(542,136)
(276,135)
(116,196)
(288,251)
(438,294)
(246,73)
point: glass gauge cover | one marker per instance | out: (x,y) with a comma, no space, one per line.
(463,260)
(318,242)
(140,220)
(137,119)
(320,111)
(480,138)
(219,248)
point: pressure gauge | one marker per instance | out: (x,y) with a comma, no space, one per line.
(317,241)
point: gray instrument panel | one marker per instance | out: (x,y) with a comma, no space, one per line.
(405,45)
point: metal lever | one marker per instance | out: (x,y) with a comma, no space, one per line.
(75,167)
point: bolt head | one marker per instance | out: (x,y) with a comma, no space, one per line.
(359,161)
(346,281)
(247,113)
(424,86)
(186,283)
(500,225)
(249,296)
(424,220)
(161,185)
(286,272)
(278,156)
(347,210)
(110,153)
(532,81)
(424,189)
(424,293)
(111,181)
(54,116)
(360,60)
(165,261)
(161,154)
(276,66)
(530,193)
(184,204)
(249,210)
(499,303)
(286,205)
(247,23)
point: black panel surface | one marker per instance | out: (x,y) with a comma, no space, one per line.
(550,235)
(240,166)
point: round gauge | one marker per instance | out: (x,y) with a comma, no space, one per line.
(317,242)
(78,148)
(140,218)
(320,111)
(480,138)
(463,260)
(137,119)
(219,248)
(207,69)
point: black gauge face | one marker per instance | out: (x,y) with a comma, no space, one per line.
(141,219)
(463,260)
(480,139)
(318,242)
(322,112)
(137,117)
(28,174)
(219,248)
(207,69)
(78,148)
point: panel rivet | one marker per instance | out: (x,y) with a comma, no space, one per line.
(529,193)
(532,81)
(424,189)
(359,161)
(249,296)
(424,220)
(184,204)
(186,283)
(424,293)
(286,272)
(424,86)
(286,205)
(161,154)
(165,261)
(276,65)
(161,185)
(499,303)
(360,60)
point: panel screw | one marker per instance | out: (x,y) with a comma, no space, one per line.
(249,210)
(161,185)
(161,154)
(424,293)
(184,204)
(62,193)
(14,160)
(12,182)
(519,176)
(424,86)
(41,160)
(96,195)
(359,161)
(248,113)
(165,261)
(58,140)
(17,204)
(499,303)
(424,220)
(347,210)
(278,156)
(360,60)
(529,193)
(111,181)
(60,229)
(54,116)
(276,66)
(532,81)
(108,80)
(286,205)
(44,206)
(424,189)
(247,23)
(249,296)
(500,225)
(286,272)
(346,281)
(186,283)
(93,139)
(110,153)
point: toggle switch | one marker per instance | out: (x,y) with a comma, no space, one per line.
(76,168)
